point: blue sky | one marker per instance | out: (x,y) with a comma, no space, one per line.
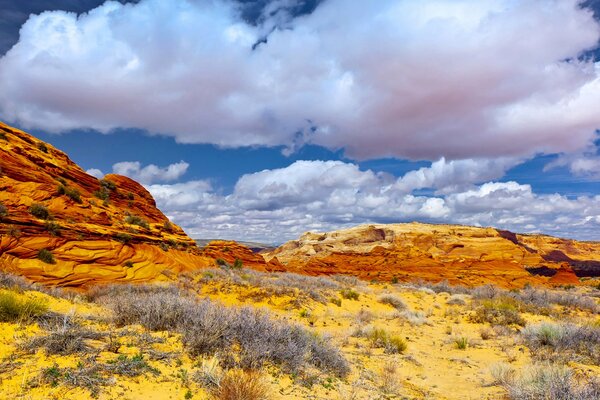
(257,120)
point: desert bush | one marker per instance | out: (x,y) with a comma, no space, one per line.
(131,366)
(10,281)
(19,308)
(389,380)
(46,256)
(546,382)
(102,194)
(498,311)
(39,211)
(393,301)
(3,211)
(382,339)
(414,318)
(53,228)
(238,384)
(42,147)
(123,237)
(86,375)
(461,342)
(70,192)
(363,317)
(64,337)
(209,328)
(560,341)
(456,300)
(486,333)
(444,287)
(136,220)
(349,294)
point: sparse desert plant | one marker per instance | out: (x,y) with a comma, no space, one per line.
(39,211)
(456,300)
(237,264)
(461,342)
(86,375)
(209,328)
(349,294)
(3,211)
(46,256)
(563,341)
(498,311)
(132,366)
(124,238)
(486,333)
(53,228)
(14,232)
(64,337)
(238,384)
(414,318)
(336,300)
(102,194)
(363,317)
(382,339)
(547,382)
(108,185)
(19,308)
(42,147)
(15,282)
(167,226)
(128,264)
(209,373)
(70,192)
(393,301)
(388,376)
(136,220)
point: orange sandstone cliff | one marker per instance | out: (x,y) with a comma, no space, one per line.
(61,226)
(459,254)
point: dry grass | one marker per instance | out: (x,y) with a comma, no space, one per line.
(19,308)
(238,384)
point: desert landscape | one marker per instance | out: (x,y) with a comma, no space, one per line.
(103,297)
(300,199)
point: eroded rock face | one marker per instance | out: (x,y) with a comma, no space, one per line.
(459,254)
(96,231)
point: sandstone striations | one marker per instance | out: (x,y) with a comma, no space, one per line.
(459,254)
(61,226)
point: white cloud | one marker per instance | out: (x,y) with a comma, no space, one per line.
(280,204)
(150,173)
(95,173)
(411,79)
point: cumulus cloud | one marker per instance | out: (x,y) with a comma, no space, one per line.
(585,164)
(150,173)
(418,80)
(280,204)
(95,172)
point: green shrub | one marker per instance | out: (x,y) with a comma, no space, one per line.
(221,262)
(336,300)
(498,311)
(461,342)
(349,294)
(3,211)
(102,194)
(15,308)
(237,264)
(70,192)
(128,264)
(42,147)
(382,339)
(123,237)
(39,211)
(108,185)
(53,228)
(139,221)
(46,256)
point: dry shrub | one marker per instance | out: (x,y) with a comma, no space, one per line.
(238,384)
(498,311)
(393,301)
(245,337)
(546,382)
(19,308)
(563,341)
(63,338)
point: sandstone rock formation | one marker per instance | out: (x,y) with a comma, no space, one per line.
(61,226)
(458,254)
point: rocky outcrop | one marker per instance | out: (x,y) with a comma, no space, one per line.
(459,254)
(232,253)
(61,226)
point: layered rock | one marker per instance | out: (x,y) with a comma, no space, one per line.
(86,230)
(458,254)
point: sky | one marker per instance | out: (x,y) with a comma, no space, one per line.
(261,120)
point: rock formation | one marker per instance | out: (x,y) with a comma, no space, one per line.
(61,226)
(459,254)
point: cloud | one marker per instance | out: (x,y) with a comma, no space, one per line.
(95,173)
(417,80)
(150,173)
(280,204)
(585,164)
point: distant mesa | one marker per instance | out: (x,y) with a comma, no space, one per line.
(464,255)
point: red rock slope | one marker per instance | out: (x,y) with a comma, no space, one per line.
(459,254)
(94,230)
